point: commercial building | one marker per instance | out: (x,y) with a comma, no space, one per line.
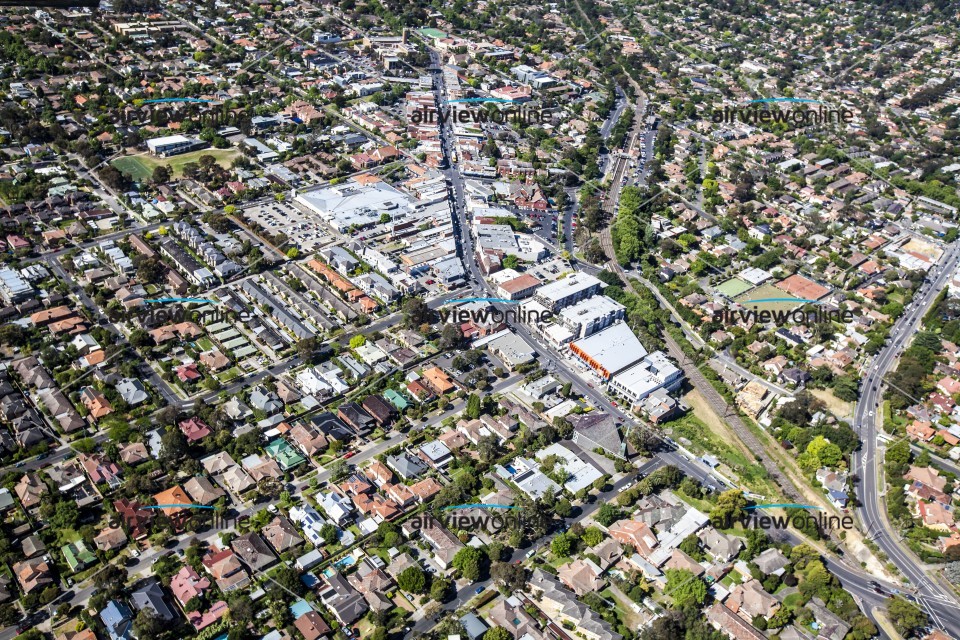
(174,145)
(610,351)
(353,205)
(652,373)
(13,288)
(520,287)
(568,291)
(591,315)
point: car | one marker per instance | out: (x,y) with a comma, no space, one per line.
(349,455)
(430,281)
(531,553)
(20,464)
(479,590)
(614,404)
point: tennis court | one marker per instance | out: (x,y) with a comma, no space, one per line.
(734,287)
(767,291)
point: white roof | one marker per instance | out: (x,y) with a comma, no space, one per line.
(581,474)
(615,348)
(156,142)
(567,286)
(590,308)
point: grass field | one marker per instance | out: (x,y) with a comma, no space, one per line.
(140,167)
(734,287)
(768,291)
(702,439)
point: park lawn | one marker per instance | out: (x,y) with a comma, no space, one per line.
(135,167)
(140,167)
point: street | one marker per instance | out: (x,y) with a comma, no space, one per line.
(939,604)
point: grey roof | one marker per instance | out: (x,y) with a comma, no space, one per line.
(150,596)
(407,466)
(253,551)
(473,625)
(596,430)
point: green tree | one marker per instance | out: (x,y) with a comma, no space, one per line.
(474,406)
(845,388)
(561,545)
(691,546)
(497,633)
(148,624)
(607,514)
(826,452)
(412,580)
(329,533)
(897,459)
(592,536)
(907,617)
(470,561)
(357,341)
(729,508)
(440,589)
(685,588)
(511,576)
(161,174)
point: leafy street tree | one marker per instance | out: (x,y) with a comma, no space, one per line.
(357,341)
(906,616)
(440,589)
(729,507)
(607,514)
(470,563)
(474,406)
(148,624)
(511,576)
(416,313)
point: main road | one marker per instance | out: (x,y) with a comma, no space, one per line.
(854,580)
(940,605)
